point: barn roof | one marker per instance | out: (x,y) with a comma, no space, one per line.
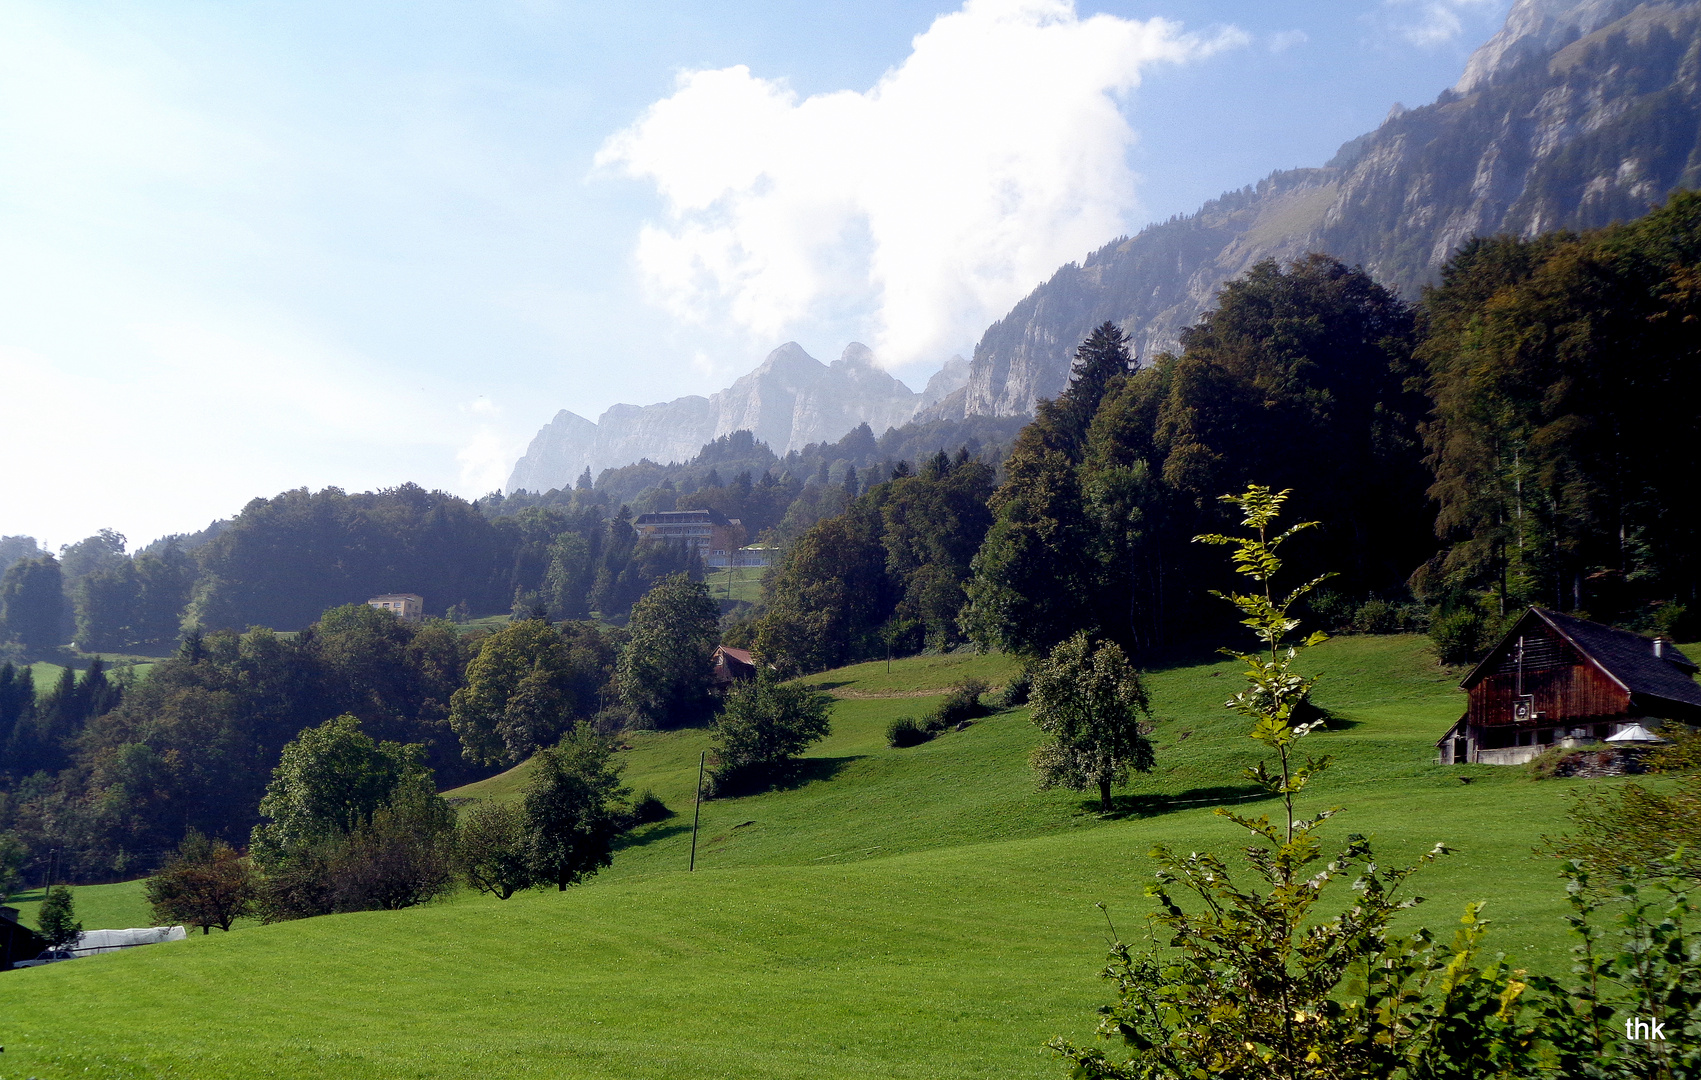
(1626,658)
(740,655)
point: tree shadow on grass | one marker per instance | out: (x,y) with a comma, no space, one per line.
(1147,805)
(645,837)
(786,777)
(830,684)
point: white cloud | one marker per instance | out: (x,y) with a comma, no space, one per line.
(928,204)
(1435,22)
(1284,40)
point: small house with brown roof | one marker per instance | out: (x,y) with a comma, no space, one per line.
(732,666)
(1557,680)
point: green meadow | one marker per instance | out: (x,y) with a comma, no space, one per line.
(898,913)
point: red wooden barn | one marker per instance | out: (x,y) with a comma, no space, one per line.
(1559,680)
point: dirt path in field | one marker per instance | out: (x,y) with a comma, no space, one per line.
(845,692)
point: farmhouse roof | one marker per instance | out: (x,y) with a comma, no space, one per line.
(741,655)
(1640,665)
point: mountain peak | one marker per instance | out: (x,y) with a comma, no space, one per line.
(856,354)
(1538,28)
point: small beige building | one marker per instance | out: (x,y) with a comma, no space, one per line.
(409,607)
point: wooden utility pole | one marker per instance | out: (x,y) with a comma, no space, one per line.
(697,813)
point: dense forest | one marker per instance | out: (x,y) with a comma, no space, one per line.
(1520,434)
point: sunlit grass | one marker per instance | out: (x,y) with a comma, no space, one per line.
(900,913)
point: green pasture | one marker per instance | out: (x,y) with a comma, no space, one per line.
(736,583)
(98,907)
(896,913)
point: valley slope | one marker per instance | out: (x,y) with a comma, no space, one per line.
(903,913)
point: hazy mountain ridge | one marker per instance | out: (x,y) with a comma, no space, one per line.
(1573,116)
(788,402)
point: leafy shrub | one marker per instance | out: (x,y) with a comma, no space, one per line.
(1553,762)
(1377,616)
(1016,691)
(1675,620)
(1460,636)
(403,857)
(961,705)
(904,731)
(647,808)
(1332,609)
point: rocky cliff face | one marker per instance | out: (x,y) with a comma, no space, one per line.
(1573,116)
(788,402)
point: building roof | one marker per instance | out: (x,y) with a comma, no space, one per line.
(1626,658)
(740,655)
(710,516)
(397,596)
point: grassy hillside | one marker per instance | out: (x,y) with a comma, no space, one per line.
(98,907)
(921,912)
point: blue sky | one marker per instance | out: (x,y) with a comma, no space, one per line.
(255,246)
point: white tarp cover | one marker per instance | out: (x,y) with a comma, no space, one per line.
(1635,733)
(90,942)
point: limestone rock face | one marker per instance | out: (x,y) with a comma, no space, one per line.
(789,401)
(1575,115)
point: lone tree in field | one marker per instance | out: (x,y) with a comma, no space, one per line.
(572,808)
(764,725)
(207,883)
(1089,700)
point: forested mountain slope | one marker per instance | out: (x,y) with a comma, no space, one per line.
(1576,115)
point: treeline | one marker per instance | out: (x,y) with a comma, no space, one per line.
(887,574)
(573,552)
(1519,436)
(102,777)
(110,774)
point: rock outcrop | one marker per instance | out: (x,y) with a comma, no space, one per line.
(1575,115)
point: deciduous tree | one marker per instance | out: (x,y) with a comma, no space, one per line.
(665,666)
(571,808)
(1089,701)
(494,849)
(206,883)
(765,724)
